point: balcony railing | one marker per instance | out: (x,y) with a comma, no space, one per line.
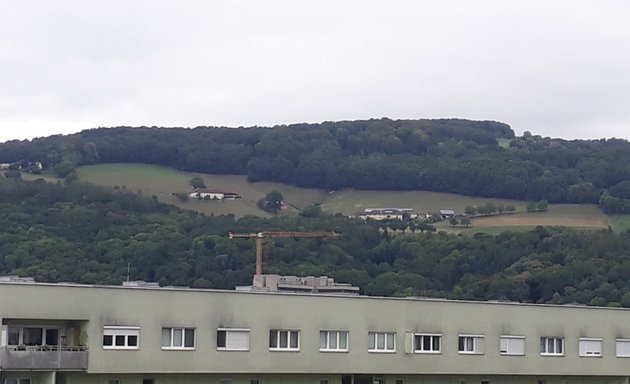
(44,358)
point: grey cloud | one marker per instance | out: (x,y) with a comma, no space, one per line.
(557,68)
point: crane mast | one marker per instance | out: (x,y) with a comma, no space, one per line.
(258,236)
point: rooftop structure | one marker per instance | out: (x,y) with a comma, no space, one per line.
(308,284)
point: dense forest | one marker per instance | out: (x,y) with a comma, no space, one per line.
(83,233)
(478,158)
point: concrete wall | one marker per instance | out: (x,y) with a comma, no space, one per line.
(152,309)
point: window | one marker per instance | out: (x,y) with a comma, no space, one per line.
(113,381)
(400,381)
(378,380)
(323,381)
(470,344)
(623,347)
(231,339)
(284,340)
(382,342)
(590,347)
(255,381)
(147,381)
(427,343)
(14,336)
(32,336)
(512,345)
(551,346)
(333,341)
(115,337)
(178,338)
(16,381)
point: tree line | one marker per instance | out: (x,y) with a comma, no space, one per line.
(447,155)
(90,234)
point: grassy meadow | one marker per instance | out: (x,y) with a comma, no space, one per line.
(162,182)
(559,215)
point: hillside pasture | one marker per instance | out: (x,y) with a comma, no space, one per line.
(162,182)
(619,223)
(581,216)
(569,215)
(348,201)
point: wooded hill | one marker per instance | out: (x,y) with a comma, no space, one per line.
(449,155)
(90,234)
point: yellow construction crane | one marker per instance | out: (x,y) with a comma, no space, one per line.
(261,235)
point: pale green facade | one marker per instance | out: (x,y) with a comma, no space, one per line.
(582,345)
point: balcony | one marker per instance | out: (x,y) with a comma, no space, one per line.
(43,344)
(44,358)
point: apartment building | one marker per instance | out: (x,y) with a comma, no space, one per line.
(70,334)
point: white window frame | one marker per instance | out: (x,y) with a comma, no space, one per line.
(277,334)
(555,342)
(386,337)
(419,347)
(620,351)
(584,344)
(183,330)
(475,341)
(336,336)
(228,347)
(507,351)
(126,332)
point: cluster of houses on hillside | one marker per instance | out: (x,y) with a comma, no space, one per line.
(378,214)
(213,194)
(381,214)
(31,166)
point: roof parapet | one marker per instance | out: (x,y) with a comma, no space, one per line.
(140,284)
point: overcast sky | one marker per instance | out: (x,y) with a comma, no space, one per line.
(556,68)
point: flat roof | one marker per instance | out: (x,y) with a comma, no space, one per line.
(324,295)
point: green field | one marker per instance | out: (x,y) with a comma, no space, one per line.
(619,222)
(162,182)
(348,201)
(503,142)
